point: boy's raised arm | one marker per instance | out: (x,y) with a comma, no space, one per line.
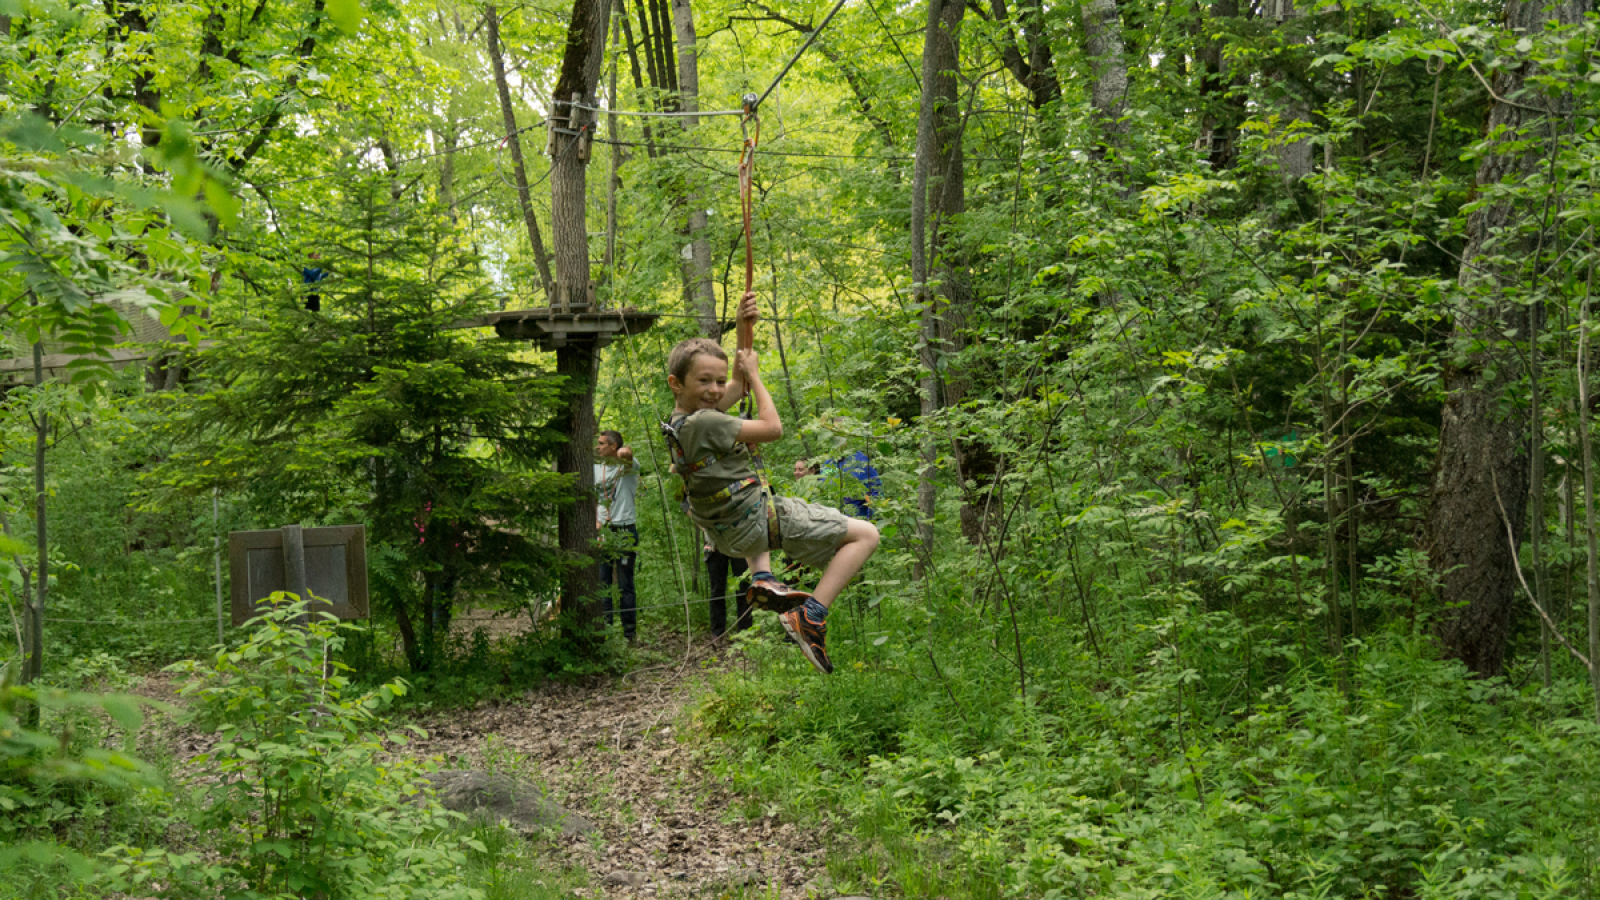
(767,427)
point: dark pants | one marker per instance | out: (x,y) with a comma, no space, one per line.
(717,569)
(619,557)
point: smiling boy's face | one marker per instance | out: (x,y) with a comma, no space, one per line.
(704,384)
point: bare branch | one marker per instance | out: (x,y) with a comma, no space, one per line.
(1517,564)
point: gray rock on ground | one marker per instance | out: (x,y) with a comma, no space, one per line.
(496,797)
(626,879)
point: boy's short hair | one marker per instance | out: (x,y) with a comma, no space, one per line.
(614,437)
(682,356)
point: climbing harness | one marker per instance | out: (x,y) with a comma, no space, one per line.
(685,468)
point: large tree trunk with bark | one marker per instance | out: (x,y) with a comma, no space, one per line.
(1287,97)
(1222,97)
(1026,52)
(571,128)
(1481,482)
(1108,91)
(700,298)
(938,186)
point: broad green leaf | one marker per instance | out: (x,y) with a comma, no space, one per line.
(346,14)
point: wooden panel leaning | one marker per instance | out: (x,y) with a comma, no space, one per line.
(328,563)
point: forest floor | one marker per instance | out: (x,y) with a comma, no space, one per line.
(609,751)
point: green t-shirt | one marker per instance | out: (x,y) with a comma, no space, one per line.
(709,432)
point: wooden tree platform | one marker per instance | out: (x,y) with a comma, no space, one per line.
(553,329)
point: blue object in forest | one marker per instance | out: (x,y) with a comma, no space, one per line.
(858,465)
(309,276)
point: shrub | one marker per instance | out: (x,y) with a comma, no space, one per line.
(307,804)
(51,777)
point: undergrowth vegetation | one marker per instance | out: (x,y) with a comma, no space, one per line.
(1393,777)
(300,794)
(1228,367)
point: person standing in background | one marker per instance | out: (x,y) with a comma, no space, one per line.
(616,481)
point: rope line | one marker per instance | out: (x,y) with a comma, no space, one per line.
(665,114)
(129,621)
(681,114)
(661,488)
(798,53)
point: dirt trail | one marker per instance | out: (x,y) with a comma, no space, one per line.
(610,753)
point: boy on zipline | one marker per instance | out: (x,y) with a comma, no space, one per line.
(735,506)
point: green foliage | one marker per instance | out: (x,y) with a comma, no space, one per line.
(68,238)
(307,802)
(33,762)
(60,779)
(432,435)
(1416,782)
(504,866)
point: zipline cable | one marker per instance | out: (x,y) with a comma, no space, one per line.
(798,53)
(657,114)
(128,621)
(745,110)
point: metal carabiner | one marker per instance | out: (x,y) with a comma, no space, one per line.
(747,104)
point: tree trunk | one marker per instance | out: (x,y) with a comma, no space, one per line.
(1108,92)
(1222,101)
(1295,156)
(937,179)
(645,100)
(575,525)
(1032,64)
(449,138)
(614,179)
(951,298)
(570,129)
(33,611)
(1483,465)
(514,139)
(1591,551)
(698,291)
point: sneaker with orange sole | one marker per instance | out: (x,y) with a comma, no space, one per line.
(811,635)
(775,596)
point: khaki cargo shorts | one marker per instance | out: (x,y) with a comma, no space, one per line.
(811,533)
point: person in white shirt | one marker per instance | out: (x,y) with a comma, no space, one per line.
(616,482)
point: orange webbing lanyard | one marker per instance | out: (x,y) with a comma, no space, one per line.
(750,124)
